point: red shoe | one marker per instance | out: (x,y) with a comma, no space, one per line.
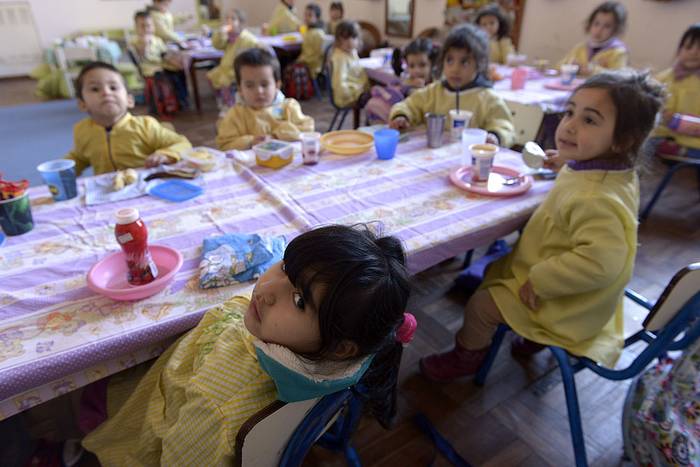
(448,366)
(521,347)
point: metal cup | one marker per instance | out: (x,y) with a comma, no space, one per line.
(436,126)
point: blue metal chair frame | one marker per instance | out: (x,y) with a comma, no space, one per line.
(337,438)
(679,164)
(667,339)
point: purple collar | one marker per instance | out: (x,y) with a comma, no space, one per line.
(612,43)
(600,164)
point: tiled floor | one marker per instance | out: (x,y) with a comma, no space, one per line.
(519,417)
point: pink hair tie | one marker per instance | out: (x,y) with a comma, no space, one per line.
(404,333)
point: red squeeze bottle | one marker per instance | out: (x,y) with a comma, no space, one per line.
(132,236)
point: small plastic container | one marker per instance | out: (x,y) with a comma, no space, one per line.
(385,142)
(568,73)
(483,160)
(273,154)
(175,190)
(518,78)
(459,120)
(685,124)
(310,147)
(200,159)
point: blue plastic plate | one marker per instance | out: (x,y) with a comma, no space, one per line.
(175,190)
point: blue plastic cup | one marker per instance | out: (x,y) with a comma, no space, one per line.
(385,142)
(59,175)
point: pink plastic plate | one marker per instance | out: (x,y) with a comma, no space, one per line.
(108,276)
(558,86)
(496,185)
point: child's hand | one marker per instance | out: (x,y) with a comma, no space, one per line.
(399,123)
(492,138)
(156,159)
(529,297)
(553,161)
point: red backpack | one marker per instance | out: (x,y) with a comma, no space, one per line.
(297,82)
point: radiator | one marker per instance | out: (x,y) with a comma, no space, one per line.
(20,50)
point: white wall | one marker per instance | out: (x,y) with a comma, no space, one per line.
(552,27)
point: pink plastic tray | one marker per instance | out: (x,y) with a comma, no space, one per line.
(108,276)
(462,178)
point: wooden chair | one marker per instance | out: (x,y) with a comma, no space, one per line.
(371,38)
(676,162)
(527,120)
(282,434)
(671,324)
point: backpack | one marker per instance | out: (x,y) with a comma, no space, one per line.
(160,95)
(297,82)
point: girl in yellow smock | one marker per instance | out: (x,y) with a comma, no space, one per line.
(564,281)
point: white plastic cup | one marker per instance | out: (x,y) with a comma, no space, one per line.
(459,120)
(471,136)
(483,155)
(310,147)
(568,73)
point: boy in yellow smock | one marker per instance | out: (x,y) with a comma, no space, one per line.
(261,110)
(349,81)
(683,87)
(283,19)
(464,67)
(233,39)
(111,138)
(163,21)
(312,47)
(564,282)
(603,50)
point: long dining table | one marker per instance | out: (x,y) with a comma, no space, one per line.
(57,335)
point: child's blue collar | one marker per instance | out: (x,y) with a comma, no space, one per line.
(298,378)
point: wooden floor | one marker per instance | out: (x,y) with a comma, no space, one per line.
(519,417)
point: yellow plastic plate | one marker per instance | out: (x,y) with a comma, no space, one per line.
(347,142)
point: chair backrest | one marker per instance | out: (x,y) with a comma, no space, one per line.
(263,438)
(527,120)
(371,38)
(682,287)
(328,72)
(67,56)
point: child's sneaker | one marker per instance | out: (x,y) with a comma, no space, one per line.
(521,347)
(448,366)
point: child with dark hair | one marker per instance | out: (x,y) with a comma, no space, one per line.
(319,321)
(464,65)
(261,110)
(683,86)
(492,20)
(312,46)
(335,14)
(564,282)
(349,81)
(603,50)
(111,138)
(420,57)
(233,38)
(163,20)
(283,19)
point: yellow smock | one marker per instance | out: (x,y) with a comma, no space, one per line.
(609,59)
(189,406)
(684,98)
(164,25)
(130,141)
(283,20)
(242,124)
(349,79)
(223,75)
(490,111)
(151,60)
(499,50)
(312,51)
(577,250)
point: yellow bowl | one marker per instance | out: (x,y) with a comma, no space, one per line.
(347,142)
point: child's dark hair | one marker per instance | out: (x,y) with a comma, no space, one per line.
(365,291)
(690,36)
(317,12)
(496,12)
(142,14)
(618,11)
(256,57)
(637,99)
(88,68)
(472,39)
(417,46)
(338,6)
(346,29)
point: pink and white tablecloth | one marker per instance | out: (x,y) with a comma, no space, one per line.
(56,335)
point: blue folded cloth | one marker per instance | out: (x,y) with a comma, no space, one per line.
(232,258)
